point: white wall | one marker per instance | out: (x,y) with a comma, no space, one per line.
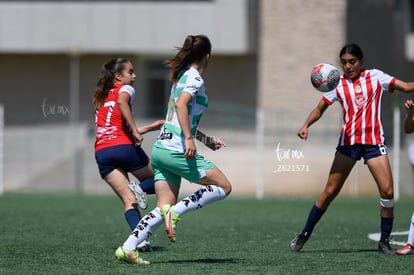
(122,27)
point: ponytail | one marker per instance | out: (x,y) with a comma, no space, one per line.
(193,50)
(106,80)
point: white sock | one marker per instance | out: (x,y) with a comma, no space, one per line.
(144,229)
(202,197)
(411,232)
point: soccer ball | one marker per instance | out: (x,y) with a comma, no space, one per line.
(325,77)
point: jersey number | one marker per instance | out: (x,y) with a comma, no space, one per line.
(171,110)
(383,149)
(110,105)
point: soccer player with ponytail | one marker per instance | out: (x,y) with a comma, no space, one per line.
(360,93)
(118,140)
(174,154)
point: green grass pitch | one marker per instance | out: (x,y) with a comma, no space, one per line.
(78,234)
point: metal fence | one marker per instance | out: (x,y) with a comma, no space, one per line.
(263,157)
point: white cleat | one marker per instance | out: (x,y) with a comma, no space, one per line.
(139,194)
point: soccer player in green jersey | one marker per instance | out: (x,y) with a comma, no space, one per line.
(174,154)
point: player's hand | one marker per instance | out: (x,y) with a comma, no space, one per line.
(409,106)
(303,133)
(190,149)
(138,138)
(215,144)
(157,125)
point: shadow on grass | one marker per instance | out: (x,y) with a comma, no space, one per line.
(154,249)
(206,261)
(339,251)
(157,249)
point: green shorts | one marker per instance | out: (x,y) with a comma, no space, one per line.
(172,166)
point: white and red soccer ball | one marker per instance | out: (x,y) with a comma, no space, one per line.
(325,77)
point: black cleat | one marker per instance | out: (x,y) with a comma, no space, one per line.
(299,241)
(385,247)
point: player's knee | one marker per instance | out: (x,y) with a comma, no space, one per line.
(387,203)
(221,181)
(229,190)
(387,194)
(226,186)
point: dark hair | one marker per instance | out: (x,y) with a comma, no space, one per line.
(353,49)
(193,50)
(106,80)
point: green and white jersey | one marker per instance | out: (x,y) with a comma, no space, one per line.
(171,135)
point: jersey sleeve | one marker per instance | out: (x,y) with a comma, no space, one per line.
(386,81)
(330,97)
(193,85)
(130,91)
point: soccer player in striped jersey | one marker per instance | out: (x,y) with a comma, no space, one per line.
(118,140)
(409,128)
(174,154)
(360,93)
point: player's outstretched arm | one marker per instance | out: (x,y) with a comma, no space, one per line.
(314,116)
(156,125)
(406,87)
(211,142)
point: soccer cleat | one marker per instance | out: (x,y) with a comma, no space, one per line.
(299,241)
(385,247)
(129,256)
(170,219)
(144,246)
(139,194)
(405,250)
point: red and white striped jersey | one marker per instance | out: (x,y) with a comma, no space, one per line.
(361,105)
(111,128)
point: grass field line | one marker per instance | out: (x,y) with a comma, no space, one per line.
(376,237)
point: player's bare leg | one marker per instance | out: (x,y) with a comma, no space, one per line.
(118,181)
(340,169)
